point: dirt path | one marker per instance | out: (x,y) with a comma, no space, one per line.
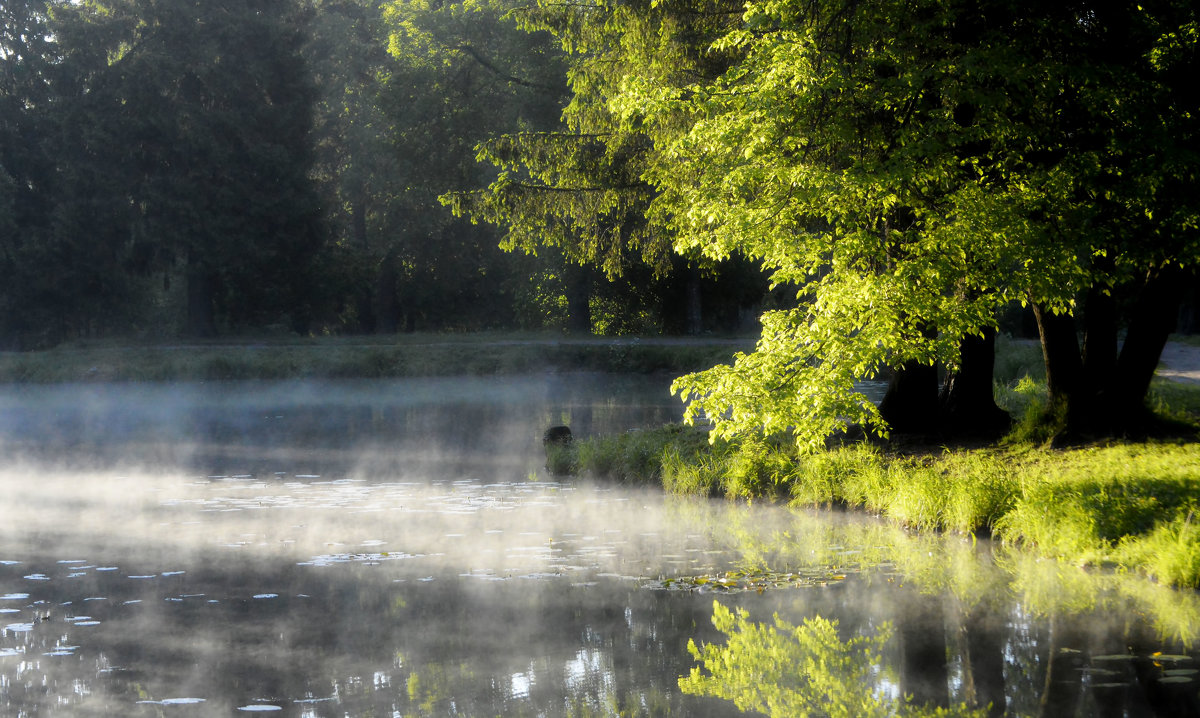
(1180,362)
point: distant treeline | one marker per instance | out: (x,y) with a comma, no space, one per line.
(204,167)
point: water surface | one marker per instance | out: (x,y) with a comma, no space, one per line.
(371,548)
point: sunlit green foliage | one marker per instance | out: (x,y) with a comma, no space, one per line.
(905,168)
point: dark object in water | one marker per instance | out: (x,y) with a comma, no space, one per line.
(557,435)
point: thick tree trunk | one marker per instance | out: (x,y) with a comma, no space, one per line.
(911,403)
(1153,320)
(968,403)
(1099,335)
(1060,352)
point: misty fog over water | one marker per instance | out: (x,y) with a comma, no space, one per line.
(395,547)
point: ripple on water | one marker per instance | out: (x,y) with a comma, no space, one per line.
(259,708)
(174,701)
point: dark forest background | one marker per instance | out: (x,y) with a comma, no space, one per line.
(213,167)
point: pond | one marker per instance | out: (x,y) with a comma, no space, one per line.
(396,548)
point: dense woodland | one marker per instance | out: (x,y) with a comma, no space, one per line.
(902,175)
(192,168)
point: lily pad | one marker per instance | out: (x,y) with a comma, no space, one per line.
(740,581)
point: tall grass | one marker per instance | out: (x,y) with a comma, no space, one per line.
(1126,505)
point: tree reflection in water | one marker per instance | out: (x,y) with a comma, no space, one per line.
(967,629)
(798,671)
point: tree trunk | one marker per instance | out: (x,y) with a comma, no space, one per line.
(387,316)
(1064,366)
(911,402)
(358,220)
(968,404)
(1153,320)
(1099,335)
(695,319)
(201,293)
(579,300)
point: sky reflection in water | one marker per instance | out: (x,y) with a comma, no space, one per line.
(393,547)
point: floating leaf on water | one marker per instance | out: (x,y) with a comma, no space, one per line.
(1181,672)
(1176,679)
(1170,658)
(1114,657)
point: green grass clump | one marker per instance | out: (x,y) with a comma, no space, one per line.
(1098,505)
(638,457)
(1169,553)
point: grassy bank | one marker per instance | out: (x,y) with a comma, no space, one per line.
(360,357)
(1127,505)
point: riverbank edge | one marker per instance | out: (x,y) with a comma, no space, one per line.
(479,354)
(1122,505)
